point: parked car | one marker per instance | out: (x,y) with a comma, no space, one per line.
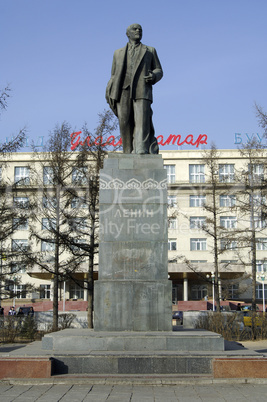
(25,310)
(247,318)
(248,307)
(178,316)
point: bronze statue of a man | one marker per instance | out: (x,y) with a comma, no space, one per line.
(135,69)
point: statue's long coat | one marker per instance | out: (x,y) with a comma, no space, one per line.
(146,60)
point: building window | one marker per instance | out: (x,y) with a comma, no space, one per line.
(227,244)
(79,175)
(256,172)
(78,224)
(261,244)
(78,202)
(76,292)
(232,291)
(199,292)
(197,200)
(196,174)
(19,244)
(48,224)
(20,224)
(170,173)
(49,202)
(48,175)
(21,292)
(172,223)
(45,291)
(258,202)
(227,200)
(172,201)
(22,175)
(21,202)
(227,173)
(259,222)
(261,266)
(259,292)
(79,245)
(197,222)
(47,246)
(172,244)
(228,222)
(198,244)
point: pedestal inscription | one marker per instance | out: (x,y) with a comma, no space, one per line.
(133,292)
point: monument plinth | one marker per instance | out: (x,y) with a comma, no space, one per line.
(133,292)
(132,301)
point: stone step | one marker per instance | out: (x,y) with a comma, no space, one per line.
(135,364)
(87,340)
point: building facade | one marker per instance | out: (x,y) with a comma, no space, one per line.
(200,187)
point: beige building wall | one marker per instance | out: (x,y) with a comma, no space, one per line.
(181,233)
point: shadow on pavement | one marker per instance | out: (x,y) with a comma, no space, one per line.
(11,347)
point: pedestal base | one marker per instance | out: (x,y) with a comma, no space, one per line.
(90,352)
(88,340)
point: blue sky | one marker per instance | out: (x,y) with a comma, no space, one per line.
(57,54)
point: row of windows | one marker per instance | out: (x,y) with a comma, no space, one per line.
(21,290)
(226,172)
(22,244)
(76,292)
(49,202)
(200,244)
(227,222)
(196,222)
(194,201)
(225,200)
(199,292)
(22,175)
(50,224)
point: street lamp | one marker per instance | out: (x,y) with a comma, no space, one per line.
(212,276)
(262,277)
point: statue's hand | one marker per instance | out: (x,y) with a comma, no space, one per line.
(150,77)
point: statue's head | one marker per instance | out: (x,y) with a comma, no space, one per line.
(134,32)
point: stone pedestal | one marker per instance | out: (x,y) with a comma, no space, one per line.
(133,292)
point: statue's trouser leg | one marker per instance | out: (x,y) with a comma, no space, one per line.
(125,115)
(142,129)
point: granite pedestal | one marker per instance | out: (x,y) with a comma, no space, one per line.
(133,292)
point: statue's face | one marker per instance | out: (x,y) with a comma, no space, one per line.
(134,32)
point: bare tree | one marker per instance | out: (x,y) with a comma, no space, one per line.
(18,139)
(54,225)
(222,231)
(251,205)
(65,207)
(92,152)
(262,118)
(9,221)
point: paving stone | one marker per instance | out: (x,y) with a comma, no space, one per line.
(55,393)
(99,393)
(134,392)
(77,393)
(34,393)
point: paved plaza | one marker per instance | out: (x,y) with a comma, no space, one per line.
(133,393)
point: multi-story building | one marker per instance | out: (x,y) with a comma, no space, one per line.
(192,196)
